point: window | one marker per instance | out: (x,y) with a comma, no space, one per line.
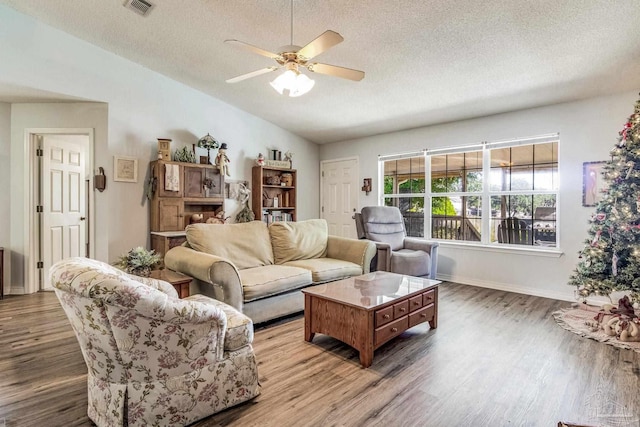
(442,194)
(456,189)
(404,187)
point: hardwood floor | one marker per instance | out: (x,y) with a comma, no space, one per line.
(496,359)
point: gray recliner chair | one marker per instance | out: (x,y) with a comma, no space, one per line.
(397,253)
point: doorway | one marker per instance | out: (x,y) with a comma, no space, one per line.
(339,192)
(60,201)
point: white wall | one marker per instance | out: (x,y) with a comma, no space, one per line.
(142,106)
(5,184)
(588,131)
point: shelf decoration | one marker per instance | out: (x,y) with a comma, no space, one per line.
(209,143)
(164,149)
(184,155)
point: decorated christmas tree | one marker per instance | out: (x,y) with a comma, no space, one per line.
(610,259)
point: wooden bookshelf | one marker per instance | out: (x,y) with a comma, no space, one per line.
(274,192)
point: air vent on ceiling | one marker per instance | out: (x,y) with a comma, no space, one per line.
(141,7)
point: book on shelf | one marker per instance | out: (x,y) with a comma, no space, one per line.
(276,216)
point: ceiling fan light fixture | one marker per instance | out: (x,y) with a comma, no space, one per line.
(294,82)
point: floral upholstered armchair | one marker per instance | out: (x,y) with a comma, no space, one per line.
(154,359)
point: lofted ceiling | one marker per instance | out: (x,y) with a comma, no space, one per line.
(426,61)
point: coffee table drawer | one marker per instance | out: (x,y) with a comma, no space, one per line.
(384,316)
(391,330)
(423,315)
(400,309)
(415,303)
(428,297)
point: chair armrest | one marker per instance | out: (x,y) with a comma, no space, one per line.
(219,275)
(359,252)
(384,256)
(158,284)
(199,327)
(428,246)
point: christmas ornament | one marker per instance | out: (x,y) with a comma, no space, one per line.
(614,265)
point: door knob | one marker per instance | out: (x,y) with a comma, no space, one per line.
(82,218)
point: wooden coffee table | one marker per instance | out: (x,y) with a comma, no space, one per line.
(367,311)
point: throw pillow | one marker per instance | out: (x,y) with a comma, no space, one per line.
(292,241)
(245,244)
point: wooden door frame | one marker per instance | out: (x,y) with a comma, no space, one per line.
(32,179)
(322,165)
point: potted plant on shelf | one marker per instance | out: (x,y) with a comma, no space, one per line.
(139,261)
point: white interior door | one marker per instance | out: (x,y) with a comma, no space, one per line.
(340,196)
(64,195)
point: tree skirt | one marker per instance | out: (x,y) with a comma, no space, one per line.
(574,320)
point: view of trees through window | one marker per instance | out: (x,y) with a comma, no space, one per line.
(521,192)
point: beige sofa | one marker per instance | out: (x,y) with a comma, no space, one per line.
(261,270)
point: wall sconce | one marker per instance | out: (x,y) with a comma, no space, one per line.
(100,180)
(367,185)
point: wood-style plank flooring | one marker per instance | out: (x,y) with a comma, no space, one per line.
(496,359)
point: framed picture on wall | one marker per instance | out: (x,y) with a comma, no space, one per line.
(125,169)
(593,183)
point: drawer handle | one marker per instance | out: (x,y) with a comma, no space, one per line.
(416,303)
(429,298)
(386,316)
(394,330)
(403,309)
(423,314)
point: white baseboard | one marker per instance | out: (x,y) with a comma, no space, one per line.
(562,296)
(15,290)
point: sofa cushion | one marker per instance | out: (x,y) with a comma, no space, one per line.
(327,269)
(245,244)
(298,240)
(262,282)
(239,327)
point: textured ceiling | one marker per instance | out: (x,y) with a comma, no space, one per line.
(426,61)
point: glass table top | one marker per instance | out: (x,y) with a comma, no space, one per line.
(372,289)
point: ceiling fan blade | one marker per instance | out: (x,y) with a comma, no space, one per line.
(252,74)
(333,70)
(252,48)
(321,43)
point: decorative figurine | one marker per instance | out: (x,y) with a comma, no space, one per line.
(245,214)
(289,156)
(260,160)
(222,161)
(219,218)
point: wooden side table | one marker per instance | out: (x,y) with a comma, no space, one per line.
(162,241)
(179,281)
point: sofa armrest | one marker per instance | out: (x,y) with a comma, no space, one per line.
(359,252)
(429,246)
(219,273)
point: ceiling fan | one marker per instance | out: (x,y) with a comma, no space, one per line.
(293,58)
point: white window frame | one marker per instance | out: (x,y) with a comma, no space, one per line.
(485,194)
